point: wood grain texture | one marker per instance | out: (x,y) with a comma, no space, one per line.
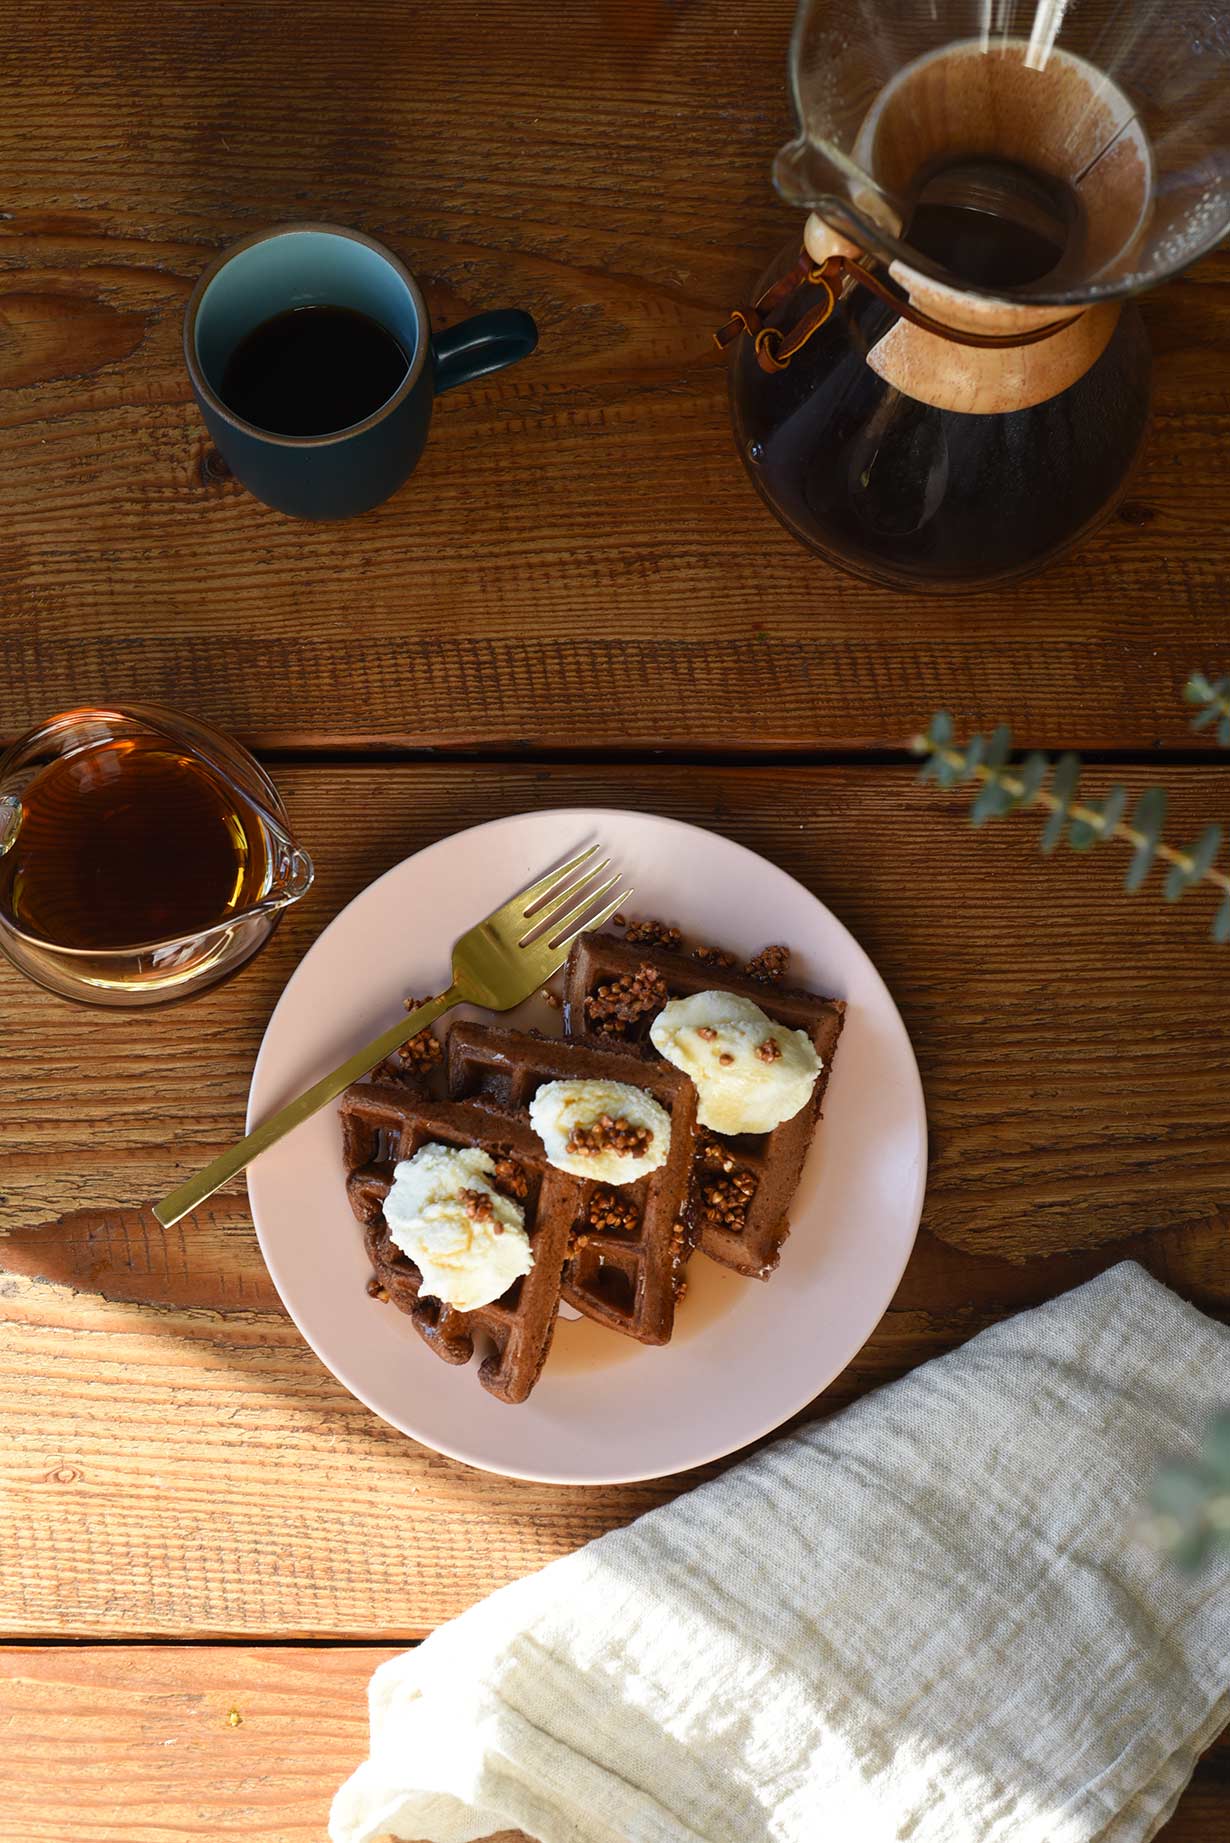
(174,1745)
(578,562)
(579,557)
(176,1462)
(156,1752)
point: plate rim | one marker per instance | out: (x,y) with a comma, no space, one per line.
(921,1170)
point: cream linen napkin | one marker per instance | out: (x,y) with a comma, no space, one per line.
(926,1618)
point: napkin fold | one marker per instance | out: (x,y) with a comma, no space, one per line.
(927,1618)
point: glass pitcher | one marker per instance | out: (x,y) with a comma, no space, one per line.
(143,856)
(947,385)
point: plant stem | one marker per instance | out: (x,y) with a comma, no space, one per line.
(955,758)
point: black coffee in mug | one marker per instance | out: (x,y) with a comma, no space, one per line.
(314,363)
(312,371)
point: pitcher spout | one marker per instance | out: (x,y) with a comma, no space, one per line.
(825,179)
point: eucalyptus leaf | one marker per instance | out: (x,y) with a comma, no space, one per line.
(1084,833)
(1087,832)
(975,749)
(1031,774)
(1216,698)
(1113,808)
(1204,852)
(1052,832)
(1201,855)
(1148,818)
(993,801)
(1216,1449)
(1181,1491)
(1141,865)
(1221,922)
(939,730)
(1192,1549)
(1178,878)
(1000,746)
(1150,814)
(1184,1495)
(1064,783)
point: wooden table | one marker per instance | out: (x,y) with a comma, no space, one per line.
(208,1543)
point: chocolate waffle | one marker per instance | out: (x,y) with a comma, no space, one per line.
(381,1125)
(631,1241)
(742,1187)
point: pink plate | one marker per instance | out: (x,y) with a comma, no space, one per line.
(746,1355)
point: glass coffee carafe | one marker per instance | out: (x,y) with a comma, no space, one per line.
(947,385)
(143,856)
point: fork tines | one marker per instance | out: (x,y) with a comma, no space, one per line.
(569,899)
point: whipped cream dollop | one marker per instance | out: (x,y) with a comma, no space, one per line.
(606,1130)
(750,1073)
(466,1239)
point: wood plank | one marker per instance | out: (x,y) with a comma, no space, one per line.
(158,1754)
(174,1746)
(174,1461)
(579,556)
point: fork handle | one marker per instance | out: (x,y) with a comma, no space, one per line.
(229,1164)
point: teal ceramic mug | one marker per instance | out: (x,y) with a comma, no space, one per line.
(232,323)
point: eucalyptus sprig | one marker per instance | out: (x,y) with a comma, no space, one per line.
(1215,697)
(1005,786)
(1191,1501)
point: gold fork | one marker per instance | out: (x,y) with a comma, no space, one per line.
(497,964)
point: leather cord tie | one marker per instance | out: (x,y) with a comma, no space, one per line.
(776,346)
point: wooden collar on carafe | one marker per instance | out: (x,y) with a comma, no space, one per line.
(1025,102)
(982,381)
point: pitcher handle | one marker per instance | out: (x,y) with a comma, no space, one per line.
(485,342)
(293,876)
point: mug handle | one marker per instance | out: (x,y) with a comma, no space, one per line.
(485,342)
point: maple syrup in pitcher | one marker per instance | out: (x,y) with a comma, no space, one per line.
(141,855)
(130,842)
